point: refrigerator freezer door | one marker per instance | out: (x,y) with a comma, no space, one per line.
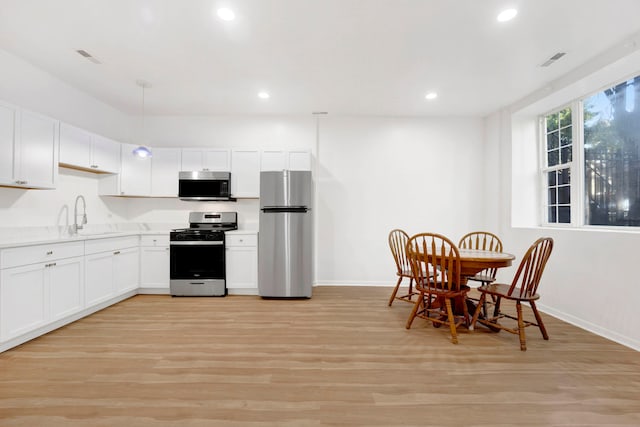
(285,188)
(285,254)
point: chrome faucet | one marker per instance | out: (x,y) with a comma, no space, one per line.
(77,227)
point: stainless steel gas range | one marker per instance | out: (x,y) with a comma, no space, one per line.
(197,254)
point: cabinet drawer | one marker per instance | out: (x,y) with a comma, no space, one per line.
(24,255)
(154,240)
(241,240)
(95,246)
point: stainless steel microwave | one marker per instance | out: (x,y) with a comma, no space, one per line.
(204,186)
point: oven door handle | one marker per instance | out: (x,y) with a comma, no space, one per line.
(197,243)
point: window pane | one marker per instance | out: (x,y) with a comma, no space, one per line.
(564,195)
(564,214)
(552,122)
(565,117)
(564,177)
(553,157)
(612,155)
(552,214)
(552,196)
(552,140)
(552,178)
(566,137)
(565,154)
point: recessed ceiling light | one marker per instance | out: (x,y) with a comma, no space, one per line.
(431,95)
(226,14)
(507,15)
(263,95)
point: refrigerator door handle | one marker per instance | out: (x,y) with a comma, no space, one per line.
(279,209)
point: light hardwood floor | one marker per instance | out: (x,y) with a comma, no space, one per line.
(340,358)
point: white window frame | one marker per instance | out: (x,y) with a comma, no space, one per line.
(575,168)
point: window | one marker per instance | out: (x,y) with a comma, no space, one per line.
(607,139)
(559,153)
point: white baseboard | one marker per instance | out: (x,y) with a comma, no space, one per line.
(588,326)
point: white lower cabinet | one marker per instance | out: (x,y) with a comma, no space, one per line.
(126,266)
(23,296)
(66,287)
(44,290)
(99,278)
(154,264)
(111,268)
(241,260)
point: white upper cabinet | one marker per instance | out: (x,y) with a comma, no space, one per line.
(194,159)
(38,150)
(28,148)
(105,154)
(85,150)
(245,173)
(273,160)
(8,115)
(165,166)
(299,160)
(134,178)
(277,160)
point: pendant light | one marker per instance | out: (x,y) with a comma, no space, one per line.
(142,150)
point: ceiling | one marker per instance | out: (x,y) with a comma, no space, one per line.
(355,57)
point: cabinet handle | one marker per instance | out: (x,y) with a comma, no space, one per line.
(94,166)
(49,252)
(116,253)
(50,265)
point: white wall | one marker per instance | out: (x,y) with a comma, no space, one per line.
(28,87)
(376,174)
(590,280)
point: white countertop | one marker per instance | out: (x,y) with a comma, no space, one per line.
(27,236)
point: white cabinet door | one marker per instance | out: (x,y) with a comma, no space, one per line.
(75,146)
(273,160)
(299,160)
(245,173)
(165,166)
(241,260)
(82,149)
(242,268)
(216,160)
(23,300)
(98,285)
(191,160)
(38,151)
(105,154)
(194,159)
(135,173)
(7,139)
(126,264)
(66,287)
(154,265)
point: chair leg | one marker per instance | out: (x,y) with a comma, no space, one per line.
(539,320)
(452,323)
(395,291)
(481,301)
(523,341)
(416,306)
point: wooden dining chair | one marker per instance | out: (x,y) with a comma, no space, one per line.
(484,241)
(435,265)
(397,243)
(523,288)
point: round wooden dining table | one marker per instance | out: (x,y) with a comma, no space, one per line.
(473,261)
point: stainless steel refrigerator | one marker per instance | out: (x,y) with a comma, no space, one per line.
(285,235)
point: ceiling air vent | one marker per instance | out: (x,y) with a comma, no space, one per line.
(553,59)
(88,56)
